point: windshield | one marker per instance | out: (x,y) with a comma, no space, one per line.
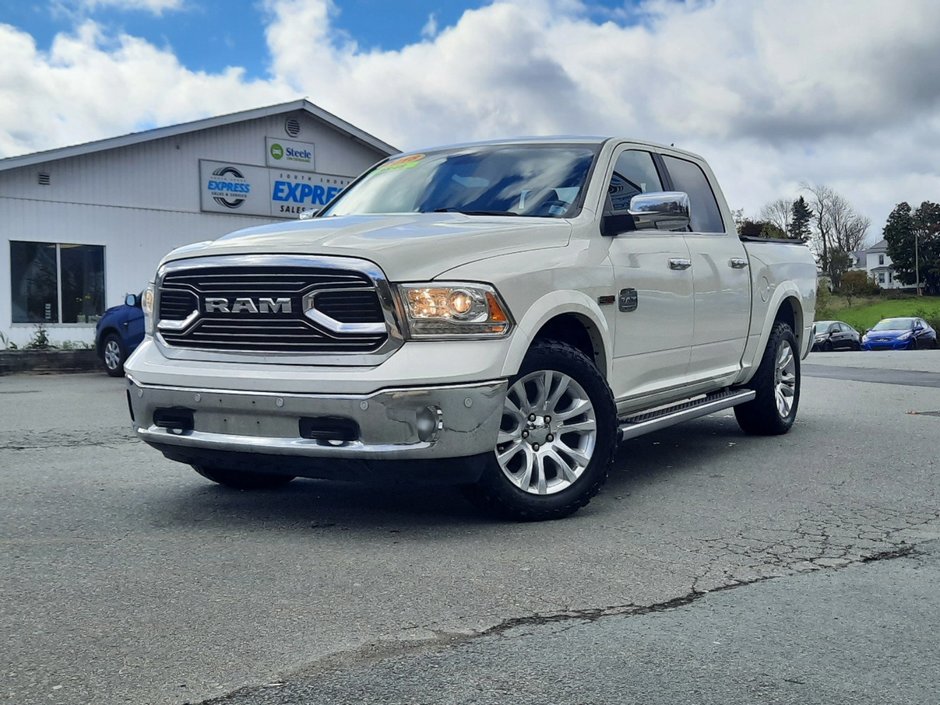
(527,180)
(821,327)
(895,324)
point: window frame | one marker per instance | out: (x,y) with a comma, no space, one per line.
(672,187)
(607,207)
(58,283)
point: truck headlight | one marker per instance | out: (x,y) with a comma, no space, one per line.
(444,310)
(146,305)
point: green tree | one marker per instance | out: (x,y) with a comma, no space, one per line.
(898,233)
(901,229)
(800,217)
(927,229)
(856,283)
(759,228)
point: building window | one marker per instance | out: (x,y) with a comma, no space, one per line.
(881,277)
(889,277)
(881,260)
(56,283)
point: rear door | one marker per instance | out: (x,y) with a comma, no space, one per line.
(653,329)
(721,277)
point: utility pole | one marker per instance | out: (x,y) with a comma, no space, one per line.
(916,265)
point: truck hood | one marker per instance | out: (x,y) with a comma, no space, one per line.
(410,246)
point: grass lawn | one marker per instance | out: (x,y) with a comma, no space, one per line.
(866,312)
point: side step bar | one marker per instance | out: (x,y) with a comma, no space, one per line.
(702,405)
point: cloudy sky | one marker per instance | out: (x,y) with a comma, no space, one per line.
(773,93)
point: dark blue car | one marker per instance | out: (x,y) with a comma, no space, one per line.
(118,333)
(900,334)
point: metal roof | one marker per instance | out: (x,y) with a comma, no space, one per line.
(204,124)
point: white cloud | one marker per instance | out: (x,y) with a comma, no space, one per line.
(156,7)
(772,93)
(430,28)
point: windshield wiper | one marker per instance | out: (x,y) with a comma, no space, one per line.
(458,210)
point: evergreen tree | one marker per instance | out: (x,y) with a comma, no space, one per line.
(899,235)
(927,229)
(800,217)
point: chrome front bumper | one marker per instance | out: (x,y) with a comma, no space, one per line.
(393,424)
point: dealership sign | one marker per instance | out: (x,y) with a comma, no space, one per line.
(256,190)
(287,154)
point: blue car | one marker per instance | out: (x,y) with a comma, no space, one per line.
(900,334)
(118,333)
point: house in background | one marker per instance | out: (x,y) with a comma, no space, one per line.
(877,263)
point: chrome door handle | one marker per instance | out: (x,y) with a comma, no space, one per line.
(737,263)
(679,263)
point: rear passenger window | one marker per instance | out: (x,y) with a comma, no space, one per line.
(634,173)
(688,177)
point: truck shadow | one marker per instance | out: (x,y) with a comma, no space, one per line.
(316,505)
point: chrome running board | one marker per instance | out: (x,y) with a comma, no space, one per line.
(664,416)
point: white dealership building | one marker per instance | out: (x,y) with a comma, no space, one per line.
(81,226)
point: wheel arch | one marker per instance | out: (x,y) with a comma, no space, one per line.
(103,335)
(784,306)
(567,316)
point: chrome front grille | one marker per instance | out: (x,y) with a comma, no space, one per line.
(272,307)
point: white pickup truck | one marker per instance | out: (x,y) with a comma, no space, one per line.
(498,315)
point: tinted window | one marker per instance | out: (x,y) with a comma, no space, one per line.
(44,273)
(34,282)
(82,282)
(688,177)
(634,173)
(525,180)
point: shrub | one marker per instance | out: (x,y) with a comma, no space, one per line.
(40,339)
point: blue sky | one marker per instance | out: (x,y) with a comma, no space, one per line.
(209,35)
(775,94)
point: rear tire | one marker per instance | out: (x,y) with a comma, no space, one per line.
(242,479)
(557,437)
(777,384)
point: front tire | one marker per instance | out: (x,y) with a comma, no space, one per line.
(242,479)
(557,437)
(777,384)
(113,355)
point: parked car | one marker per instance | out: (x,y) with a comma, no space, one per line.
(900,334)
(118,333)
(835,335)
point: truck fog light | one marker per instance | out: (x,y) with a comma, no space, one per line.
(429,422)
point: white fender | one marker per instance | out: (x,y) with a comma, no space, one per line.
(557,303)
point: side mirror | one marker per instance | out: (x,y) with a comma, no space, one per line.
(132,300)
(659,210)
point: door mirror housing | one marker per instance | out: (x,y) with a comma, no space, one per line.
(132,300)
(658,210)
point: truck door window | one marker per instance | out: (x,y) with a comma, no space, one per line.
(634,173)
(688,177)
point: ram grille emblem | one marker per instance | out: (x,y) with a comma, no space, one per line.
(247,305)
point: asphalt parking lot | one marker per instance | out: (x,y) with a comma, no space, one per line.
(714,567)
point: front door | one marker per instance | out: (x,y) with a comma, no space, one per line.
(652,270)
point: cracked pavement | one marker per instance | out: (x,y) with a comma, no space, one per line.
(125,578)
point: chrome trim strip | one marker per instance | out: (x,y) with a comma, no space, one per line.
(317,316)
(178,325)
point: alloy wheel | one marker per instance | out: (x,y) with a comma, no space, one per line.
(785,379)
(548,432)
